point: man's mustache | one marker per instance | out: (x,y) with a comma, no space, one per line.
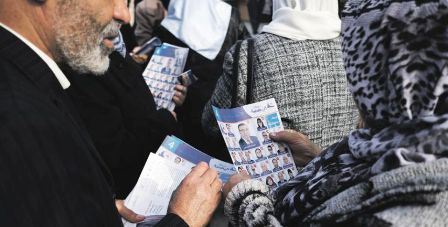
(111,30)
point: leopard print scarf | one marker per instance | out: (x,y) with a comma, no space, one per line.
(396,57)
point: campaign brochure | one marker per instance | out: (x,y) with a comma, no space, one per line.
(162,174)
(163,72)
(152,193)
(246,134)
(181,153)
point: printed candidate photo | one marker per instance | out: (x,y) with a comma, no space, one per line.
(250,157)
(271,151)
(282,149)
(242,156)
(287,161)
(270,182)
(261,124)
(259,156)
(265,168)
(247,139)
(265,137)
(254,170)
(281,177)
(235,158)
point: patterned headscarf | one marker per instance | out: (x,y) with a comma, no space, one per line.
(396,57)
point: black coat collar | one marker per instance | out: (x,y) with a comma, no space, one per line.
(15,51)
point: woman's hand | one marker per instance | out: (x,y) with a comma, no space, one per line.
(234,180)
(303,150)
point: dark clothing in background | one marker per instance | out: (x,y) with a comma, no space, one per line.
(260,11)
(120,114)
(50,171)
(148,16)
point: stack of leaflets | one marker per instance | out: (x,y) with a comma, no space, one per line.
(246,133)
(162,174)
(164,71)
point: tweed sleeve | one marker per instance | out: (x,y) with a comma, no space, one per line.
(248,204)
(222,96)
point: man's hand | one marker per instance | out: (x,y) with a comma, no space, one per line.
(174,115)
(197,196)
(180,94)
(140,59)
(303,150)
(234,180)
(127,214)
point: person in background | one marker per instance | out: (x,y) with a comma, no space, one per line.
(297,61)
(392,172)
(148,16)
(190,23)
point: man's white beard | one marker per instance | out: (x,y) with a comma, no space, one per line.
(79,41)
(92,61)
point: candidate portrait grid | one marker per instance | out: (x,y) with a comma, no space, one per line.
(161,76)
(252,151)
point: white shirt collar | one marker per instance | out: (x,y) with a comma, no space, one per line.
(51,64)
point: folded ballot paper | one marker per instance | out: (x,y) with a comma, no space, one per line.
(162,174)
(246,134)
(164,71)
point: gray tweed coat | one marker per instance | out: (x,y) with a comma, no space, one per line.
(306,78)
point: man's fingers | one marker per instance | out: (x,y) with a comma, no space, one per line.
(176,99)
(127,213)
(178,94)
(210,175)
(181,88)
(199,169)
(216,185)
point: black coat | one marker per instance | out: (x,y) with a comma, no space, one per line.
(50,172)
(121,117)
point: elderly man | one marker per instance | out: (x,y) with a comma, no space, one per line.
(52,174)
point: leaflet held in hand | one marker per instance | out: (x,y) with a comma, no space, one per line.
(246,134)
(163,72)
(162,174)
(181,153)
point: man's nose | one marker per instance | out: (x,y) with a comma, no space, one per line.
(121,12)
